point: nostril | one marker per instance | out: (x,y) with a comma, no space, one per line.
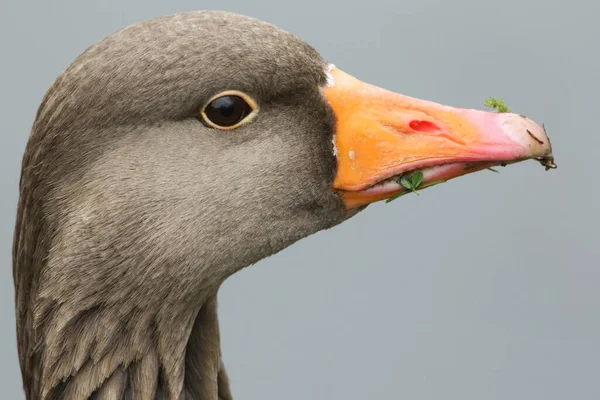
(424,126)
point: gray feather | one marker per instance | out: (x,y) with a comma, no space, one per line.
(132,212)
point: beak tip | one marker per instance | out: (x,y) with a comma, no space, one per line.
(528,134)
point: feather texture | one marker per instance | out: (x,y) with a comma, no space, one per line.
(132,212)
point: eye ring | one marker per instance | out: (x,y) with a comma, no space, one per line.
(232,100)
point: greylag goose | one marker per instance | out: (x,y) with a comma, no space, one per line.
(180,150)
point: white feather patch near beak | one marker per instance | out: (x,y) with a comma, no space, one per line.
(330,79)
(330,83)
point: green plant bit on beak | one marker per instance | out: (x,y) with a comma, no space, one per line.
(473,166)
(430,184)
(394,197)
(497,104)
(412,182)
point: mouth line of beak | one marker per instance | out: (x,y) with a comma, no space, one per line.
(432,172)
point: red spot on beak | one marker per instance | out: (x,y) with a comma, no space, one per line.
(424,126)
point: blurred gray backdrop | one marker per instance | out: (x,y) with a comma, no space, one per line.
(483,288)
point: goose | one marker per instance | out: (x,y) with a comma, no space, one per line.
(180,150)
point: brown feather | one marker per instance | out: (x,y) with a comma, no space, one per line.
(132,212)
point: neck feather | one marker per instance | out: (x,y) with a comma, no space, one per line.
(97,354)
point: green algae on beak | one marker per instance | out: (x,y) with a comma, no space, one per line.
(497,104)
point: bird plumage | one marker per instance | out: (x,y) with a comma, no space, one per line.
(132,212)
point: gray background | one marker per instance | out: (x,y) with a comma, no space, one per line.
(484,288)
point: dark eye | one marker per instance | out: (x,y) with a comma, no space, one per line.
(228,110)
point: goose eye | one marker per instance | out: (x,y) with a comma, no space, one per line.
(228,111)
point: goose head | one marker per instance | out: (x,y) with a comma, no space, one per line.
(180,150)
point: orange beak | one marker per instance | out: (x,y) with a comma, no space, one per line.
(381,135)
